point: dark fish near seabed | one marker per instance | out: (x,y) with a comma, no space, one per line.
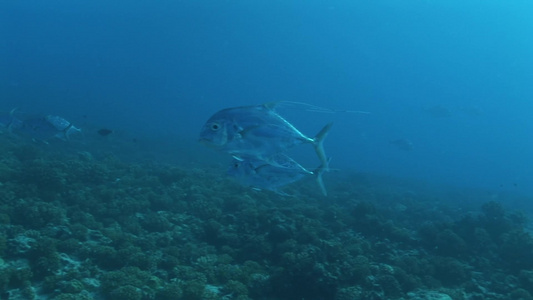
(104,132)
(271,175)
(46,127)
(257,131)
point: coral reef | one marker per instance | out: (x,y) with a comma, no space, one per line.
(75,226)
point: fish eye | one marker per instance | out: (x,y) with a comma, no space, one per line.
(215,126)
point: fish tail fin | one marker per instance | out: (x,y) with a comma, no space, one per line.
(12,116)
(320,181)
(318,173)
(65,134)
(71,130)
(318,142)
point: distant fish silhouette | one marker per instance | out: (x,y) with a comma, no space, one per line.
(46,127)
(402,144)
(104,132)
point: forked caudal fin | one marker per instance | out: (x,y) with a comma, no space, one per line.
(318,142)
(65,133)
(318,173)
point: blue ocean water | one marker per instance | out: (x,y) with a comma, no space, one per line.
(161,69)
(453,78)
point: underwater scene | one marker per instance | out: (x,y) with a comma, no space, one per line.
(266,150)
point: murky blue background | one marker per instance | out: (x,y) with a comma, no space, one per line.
(452,77)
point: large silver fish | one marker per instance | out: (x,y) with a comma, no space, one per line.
(257,132)
(272,175)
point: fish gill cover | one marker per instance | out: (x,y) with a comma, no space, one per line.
(429,196)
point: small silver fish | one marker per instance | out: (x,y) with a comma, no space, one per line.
(257,131)
(271,175)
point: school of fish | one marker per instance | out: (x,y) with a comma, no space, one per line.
(257,138)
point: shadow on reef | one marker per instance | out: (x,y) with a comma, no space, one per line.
(77,227)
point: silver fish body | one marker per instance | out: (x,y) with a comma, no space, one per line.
(268,175)
(257,131)
(274,174)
